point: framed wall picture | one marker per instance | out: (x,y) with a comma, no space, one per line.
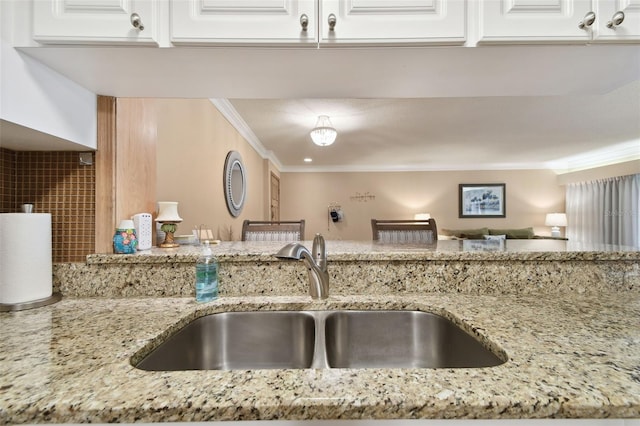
(482,200)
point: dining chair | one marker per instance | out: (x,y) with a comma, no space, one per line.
(287,230)
(405,231)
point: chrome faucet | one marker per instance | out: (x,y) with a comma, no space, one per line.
(316,264)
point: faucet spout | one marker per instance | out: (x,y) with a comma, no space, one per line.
(316,264)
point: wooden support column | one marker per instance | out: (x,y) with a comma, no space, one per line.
(125,164)
(105,174)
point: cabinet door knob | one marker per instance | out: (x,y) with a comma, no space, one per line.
(588,20)
(304,22)
(332,21)
(136,21)
(616,19)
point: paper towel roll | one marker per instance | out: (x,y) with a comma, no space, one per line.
(25,257)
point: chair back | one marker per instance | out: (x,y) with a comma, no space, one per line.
(286,231)
(405,231)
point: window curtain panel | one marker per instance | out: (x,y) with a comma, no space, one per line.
(605,211)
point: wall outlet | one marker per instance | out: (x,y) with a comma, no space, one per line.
(143,225)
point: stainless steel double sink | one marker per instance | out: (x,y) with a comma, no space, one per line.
(319,339)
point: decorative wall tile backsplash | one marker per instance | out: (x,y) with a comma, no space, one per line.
(7,180)
(55,182)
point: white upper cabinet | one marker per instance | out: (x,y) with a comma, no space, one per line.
(392,21)
(95,21)
(244,22)
(326,23)
(617,20)
(540,21)
(533,20)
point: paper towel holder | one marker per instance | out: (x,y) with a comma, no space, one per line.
(26,269)
(9,307)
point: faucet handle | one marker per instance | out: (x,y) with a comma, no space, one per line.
(319,250)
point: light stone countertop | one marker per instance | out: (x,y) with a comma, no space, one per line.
(337,250)
(567,317)
(574,356)
(462,266)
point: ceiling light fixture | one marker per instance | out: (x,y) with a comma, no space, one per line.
(323,134)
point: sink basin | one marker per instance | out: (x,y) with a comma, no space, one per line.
(401,339)
(238,341)
(319,339)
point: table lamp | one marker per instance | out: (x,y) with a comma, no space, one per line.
(169,218)
(555,221)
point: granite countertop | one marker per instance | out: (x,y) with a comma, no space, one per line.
(359,267)
(529,249)
(568,357)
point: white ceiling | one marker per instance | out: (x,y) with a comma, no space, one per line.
(394,108)
(447,133)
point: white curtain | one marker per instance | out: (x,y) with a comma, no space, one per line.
(605,211)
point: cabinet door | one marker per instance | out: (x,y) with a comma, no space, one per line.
(627,31)
(393,22)
(527,21)
(94,21)
(243,22)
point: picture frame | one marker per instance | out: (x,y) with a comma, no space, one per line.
(487,200)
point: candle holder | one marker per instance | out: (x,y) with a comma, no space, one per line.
(125,240)
(169,218)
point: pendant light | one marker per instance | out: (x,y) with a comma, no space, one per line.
(323,134)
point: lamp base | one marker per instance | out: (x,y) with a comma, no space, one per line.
(168,245)
(168,228)
(555,231)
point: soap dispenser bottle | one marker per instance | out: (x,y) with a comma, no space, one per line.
(206,275)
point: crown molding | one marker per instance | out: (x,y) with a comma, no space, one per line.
(234,118)
(620,153)
(414,168)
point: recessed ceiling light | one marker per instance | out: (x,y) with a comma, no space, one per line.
(308,160)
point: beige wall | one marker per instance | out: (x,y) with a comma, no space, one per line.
(194,139)
(193,142)
(530,194)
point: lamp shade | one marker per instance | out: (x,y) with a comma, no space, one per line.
(323,134)
(168,212)
(556,219)
(422,216)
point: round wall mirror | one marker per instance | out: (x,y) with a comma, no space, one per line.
(235,182)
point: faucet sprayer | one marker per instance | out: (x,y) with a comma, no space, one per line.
(315,262)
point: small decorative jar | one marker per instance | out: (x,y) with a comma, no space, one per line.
(124,239)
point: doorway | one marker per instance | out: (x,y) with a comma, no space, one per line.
(275,197)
